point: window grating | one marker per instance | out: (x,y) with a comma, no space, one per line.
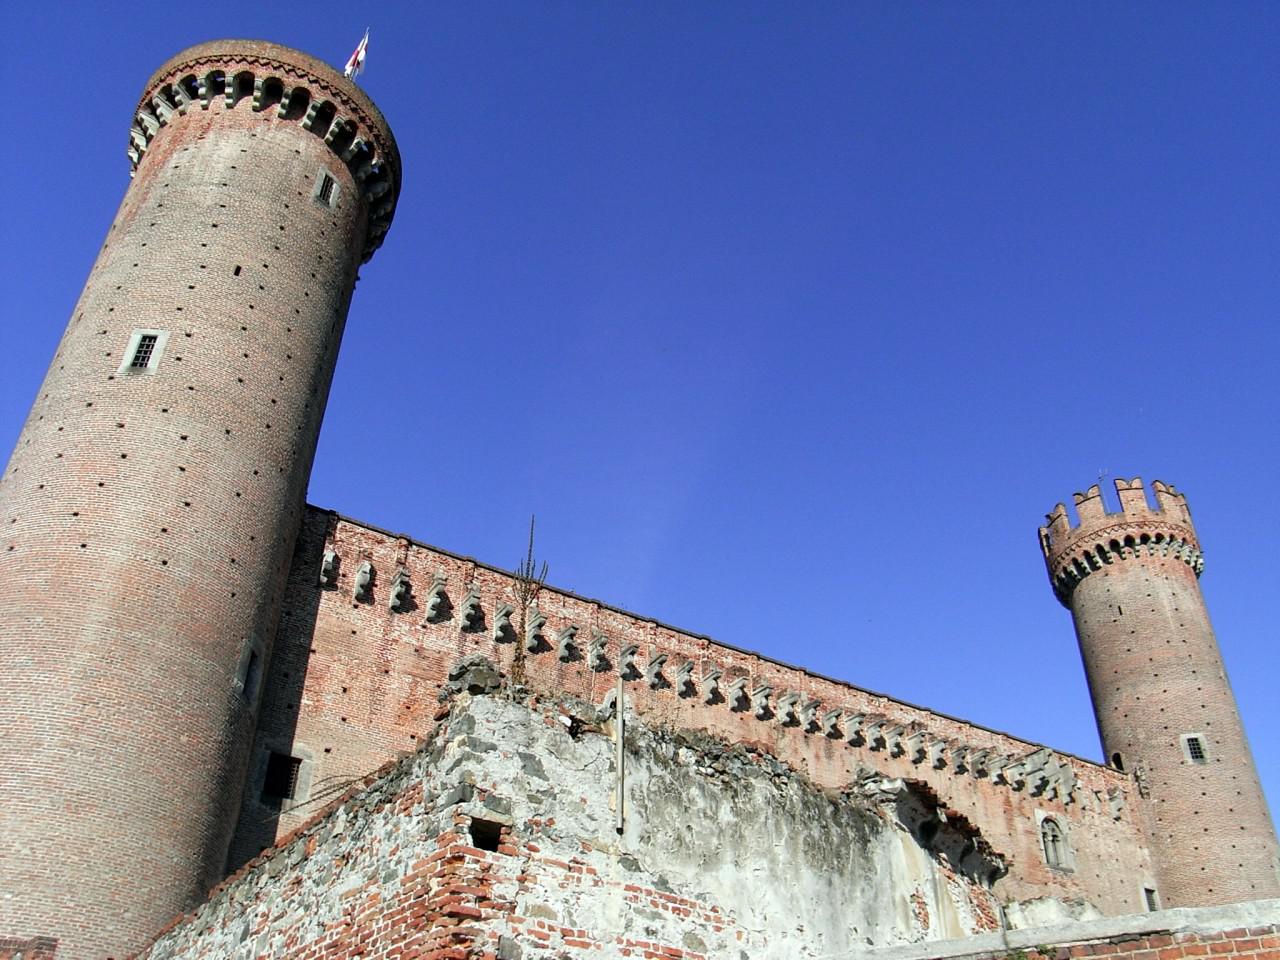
(1152,903)
(142,353)
(1195,750)
(325,193)
(281,781)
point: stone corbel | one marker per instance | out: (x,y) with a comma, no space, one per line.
(653,670)
(873,733)
(684,679)
(534,622)
(401,590)
(737,694)
(711,685)
(627,661)
(502,632)
(364,582)
(760,701)
(470,616)
(893,739)
(855,728)
(787,709)
(566,644)
(595,652)
(830,725)
(809,715)
(937,753)
(329,568)
(1115,803)
(979,761)
(434,600)
(913,747)
(960,758)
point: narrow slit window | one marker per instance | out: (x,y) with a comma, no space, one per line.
(252,674)
(141,359)
(1054,844)
(325,189)
(281,781)
(1149,895)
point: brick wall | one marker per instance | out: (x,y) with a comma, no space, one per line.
(35,948)
(354,683)
(148,516)
(1246,929)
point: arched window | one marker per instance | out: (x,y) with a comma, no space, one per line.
(1055,845)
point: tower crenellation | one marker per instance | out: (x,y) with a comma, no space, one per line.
(1101,537)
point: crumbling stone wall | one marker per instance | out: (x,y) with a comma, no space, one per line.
(355,681)
(724,853)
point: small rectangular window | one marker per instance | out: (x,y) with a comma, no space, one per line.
(1150,895)
(325,189)
(142,353)
(281,781)
(1193,745)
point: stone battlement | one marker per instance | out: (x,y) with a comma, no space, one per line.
(1100,537)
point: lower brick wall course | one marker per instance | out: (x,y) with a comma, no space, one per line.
(1249,929)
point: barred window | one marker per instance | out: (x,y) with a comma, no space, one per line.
(281,781)
(142,353)
(1195,748)
(326,189)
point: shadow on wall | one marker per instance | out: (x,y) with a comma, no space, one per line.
(279,770)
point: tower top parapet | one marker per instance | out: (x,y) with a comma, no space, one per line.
(282,84)
(1102,537)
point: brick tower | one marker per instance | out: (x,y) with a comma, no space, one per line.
(1164,708)
(151,506)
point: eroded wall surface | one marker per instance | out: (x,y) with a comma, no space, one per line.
(355,682)
(724,853)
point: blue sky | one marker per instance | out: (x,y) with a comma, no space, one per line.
(789,321)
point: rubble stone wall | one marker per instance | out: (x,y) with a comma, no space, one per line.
(499,838)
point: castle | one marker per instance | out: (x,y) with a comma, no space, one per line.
(197,666)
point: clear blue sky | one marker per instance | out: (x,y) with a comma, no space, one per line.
(790,321)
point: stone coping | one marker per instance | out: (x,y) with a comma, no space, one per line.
(1203,920)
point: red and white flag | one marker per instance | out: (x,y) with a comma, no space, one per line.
(355,62)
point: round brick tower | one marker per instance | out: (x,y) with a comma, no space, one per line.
(1164,708)
(150,509)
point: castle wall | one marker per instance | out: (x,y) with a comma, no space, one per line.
(354,683)
(723,853)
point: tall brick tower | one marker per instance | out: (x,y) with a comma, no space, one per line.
(1164,708)
(150,509)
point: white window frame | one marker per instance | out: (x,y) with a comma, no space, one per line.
(153,362)
(334,194)
(1183,741)
(1068,862)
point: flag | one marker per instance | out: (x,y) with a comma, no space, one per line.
(355,62)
